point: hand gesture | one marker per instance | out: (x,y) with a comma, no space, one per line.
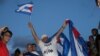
(65,23)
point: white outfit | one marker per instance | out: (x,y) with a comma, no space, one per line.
(49,49)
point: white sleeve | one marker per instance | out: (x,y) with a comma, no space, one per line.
(40,43)
(54,40)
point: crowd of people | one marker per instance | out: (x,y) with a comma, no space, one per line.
(94,43)
(48,48)
(31,51)
(5,36)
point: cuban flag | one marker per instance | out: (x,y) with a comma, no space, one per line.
(63,45)
(78,46)
(25,8)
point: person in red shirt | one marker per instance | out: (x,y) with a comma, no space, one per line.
(5,36)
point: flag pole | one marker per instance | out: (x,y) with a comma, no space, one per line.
(30,18)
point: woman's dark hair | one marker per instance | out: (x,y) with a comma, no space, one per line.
(0,38)
(3,33)
(6,28)
(96,30)
(17,52)
(34,44)
(91,37)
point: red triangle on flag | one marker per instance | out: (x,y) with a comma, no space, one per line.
(76,33)
(30,8)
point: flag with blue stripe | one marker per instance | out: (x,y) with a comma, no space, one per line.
(25,8)
(78,45)
(75,46)
(63,45)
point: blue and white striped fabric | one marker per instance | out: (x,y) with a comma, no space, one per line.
(25,8)
(78,45)
(63,46)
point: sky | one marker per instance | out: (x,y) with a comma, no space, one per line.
(47,17)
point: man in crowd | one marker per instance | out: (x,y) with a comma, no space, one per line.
(31,50)
(96,37)
(34,49)
(5,36)
(92,47)
(47,48)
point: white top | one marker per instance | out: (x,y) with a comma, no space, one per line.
(49,49)
(94,37)
(34,52)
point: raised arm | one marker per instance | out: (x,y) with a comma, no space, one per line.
(33,32)
(62,28)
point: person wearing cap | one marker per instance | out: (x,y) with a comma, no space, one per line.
(5,36)
(47,48)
